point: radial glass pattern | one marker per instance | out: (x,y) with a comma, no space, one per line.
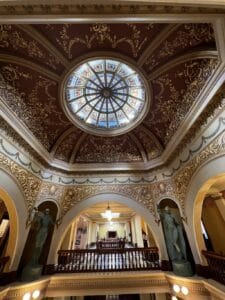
(105,94)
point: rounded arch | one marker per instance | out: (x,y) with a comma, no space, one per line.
(172,198)
(78,208)
(200,182)
(50,199)
(14,201)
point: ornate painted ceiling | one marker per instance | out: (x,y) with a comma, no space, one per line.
(179,61)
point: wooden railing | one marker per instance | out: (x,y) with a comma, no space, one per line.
(3,261)
(216,264)
(95,260)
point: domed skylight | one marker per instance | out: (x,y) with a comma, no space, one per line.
(105,96)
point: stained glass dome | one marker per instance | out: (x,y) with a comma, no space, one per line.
(105,96)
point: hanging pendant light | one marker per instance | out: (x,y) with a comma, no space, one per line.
(108,213)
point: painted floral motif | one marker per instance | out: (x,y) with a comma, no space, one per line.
(13,39)
(18,92)
(107,150)
(179,84)
(104,35)
(188,36)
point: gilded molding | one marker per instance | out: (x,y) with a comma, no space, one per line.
(29,183)
(214,108)
(98,9)
(145,194)
(183,177)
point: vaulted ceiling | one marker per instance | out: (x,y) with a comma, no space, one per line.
(178,60)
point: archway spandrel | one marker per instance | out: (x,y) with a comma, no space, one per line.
(146,195)
(29,184)
(182,179)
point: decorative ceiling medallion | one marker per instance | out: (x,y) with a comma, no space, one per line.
(105,96)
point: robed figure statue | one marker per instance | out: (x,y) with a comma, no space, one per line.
(175,242)
(41,224)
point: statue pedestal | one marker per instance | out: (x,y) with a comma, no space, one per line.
(182,268)
(31,273)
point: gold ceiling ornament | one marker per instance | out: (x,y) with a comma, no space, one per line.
(101,33)
(145,194)
(183,177)
(31,111)
(28,182)
(108,150)
(195,74)
(196,33)
(12,36)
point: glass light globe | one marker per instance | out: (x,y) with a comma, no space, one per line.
(27,296)
(36,294)
(184,290)
(174,298)
(176,288)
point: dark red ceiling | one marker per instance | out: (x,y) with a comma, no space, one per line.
(34,57)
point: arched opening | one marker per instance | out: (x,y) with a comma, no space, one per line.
(200,183)
(93,225)
(4,230)
(210,220)
(176,240)
(12,206)
(85,204)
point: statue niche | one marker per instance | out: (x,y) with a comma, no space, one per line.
(175,238)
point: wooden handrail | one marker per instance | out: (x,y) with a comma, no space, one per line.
(213,254)
(216,264)
(3,261)
(106,259)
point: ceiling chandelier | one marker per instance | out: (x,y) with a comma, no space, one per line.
(109,215)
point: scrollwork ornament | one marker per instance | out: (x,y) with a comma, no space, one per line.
(29,183)
(182,178)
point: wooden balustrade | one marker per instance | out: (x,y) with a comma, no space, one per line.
(95,260)
(216,264)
